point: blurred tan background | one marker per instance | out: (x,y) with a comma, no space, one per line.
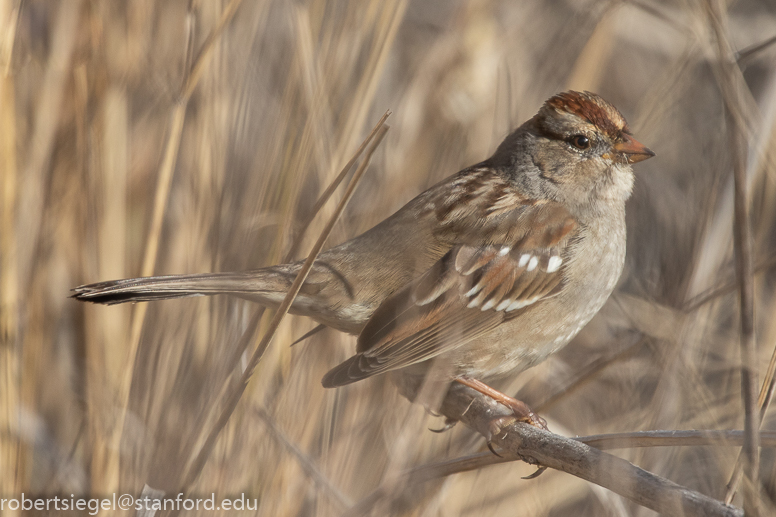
(111,112)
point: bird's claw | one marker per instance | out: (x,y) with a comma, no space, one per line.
(491,449)
(496,425)
(449,424)
(536,474)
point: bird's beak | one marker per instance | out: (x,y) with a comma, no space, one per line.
(633,150)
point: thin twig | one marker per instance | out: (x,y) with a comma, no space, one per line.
(742,56)
(581,457)
(732,438)
(549,450)
(330,190)
(247,336)
(603,442)
(480,460)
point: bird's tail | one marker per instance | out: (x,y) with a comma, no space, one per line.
(266,286)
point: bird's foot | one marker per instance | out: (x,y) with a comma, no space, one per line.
(521,411)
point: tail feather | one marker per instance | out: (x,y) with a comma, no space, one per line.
(262,285)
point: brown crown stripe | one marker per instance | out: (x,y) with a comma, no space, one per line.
(589,107)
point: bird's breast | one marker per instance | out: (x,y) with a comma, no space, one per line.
(593,266)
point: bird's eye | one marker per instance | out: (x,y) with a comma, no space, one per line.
(580,141)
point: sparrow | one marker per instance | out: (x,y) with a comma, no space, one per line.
(493,269)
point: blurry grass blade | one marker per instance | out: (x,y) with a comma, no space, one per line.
(740,127)
(161,197)
(24,208)
(206,50)
(332,187)
(309,334)
(744,55)
(590,64)
(306,462)
(726,288)
(231,403)
(588,373)
(46,119)
(387,28)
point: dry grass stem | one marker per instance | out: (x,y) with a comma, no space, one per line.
(233,398)
(148,137)
(739,128)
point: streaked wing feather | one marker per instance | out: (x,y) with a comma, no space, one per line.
(497,266)
(417,347)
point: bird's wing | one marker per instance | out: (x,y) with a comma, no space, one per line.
(507,253)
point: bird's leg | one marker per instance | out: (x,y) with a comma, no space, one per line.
(522,413)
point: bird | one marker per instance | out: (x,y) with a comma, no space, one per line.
(492,269)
